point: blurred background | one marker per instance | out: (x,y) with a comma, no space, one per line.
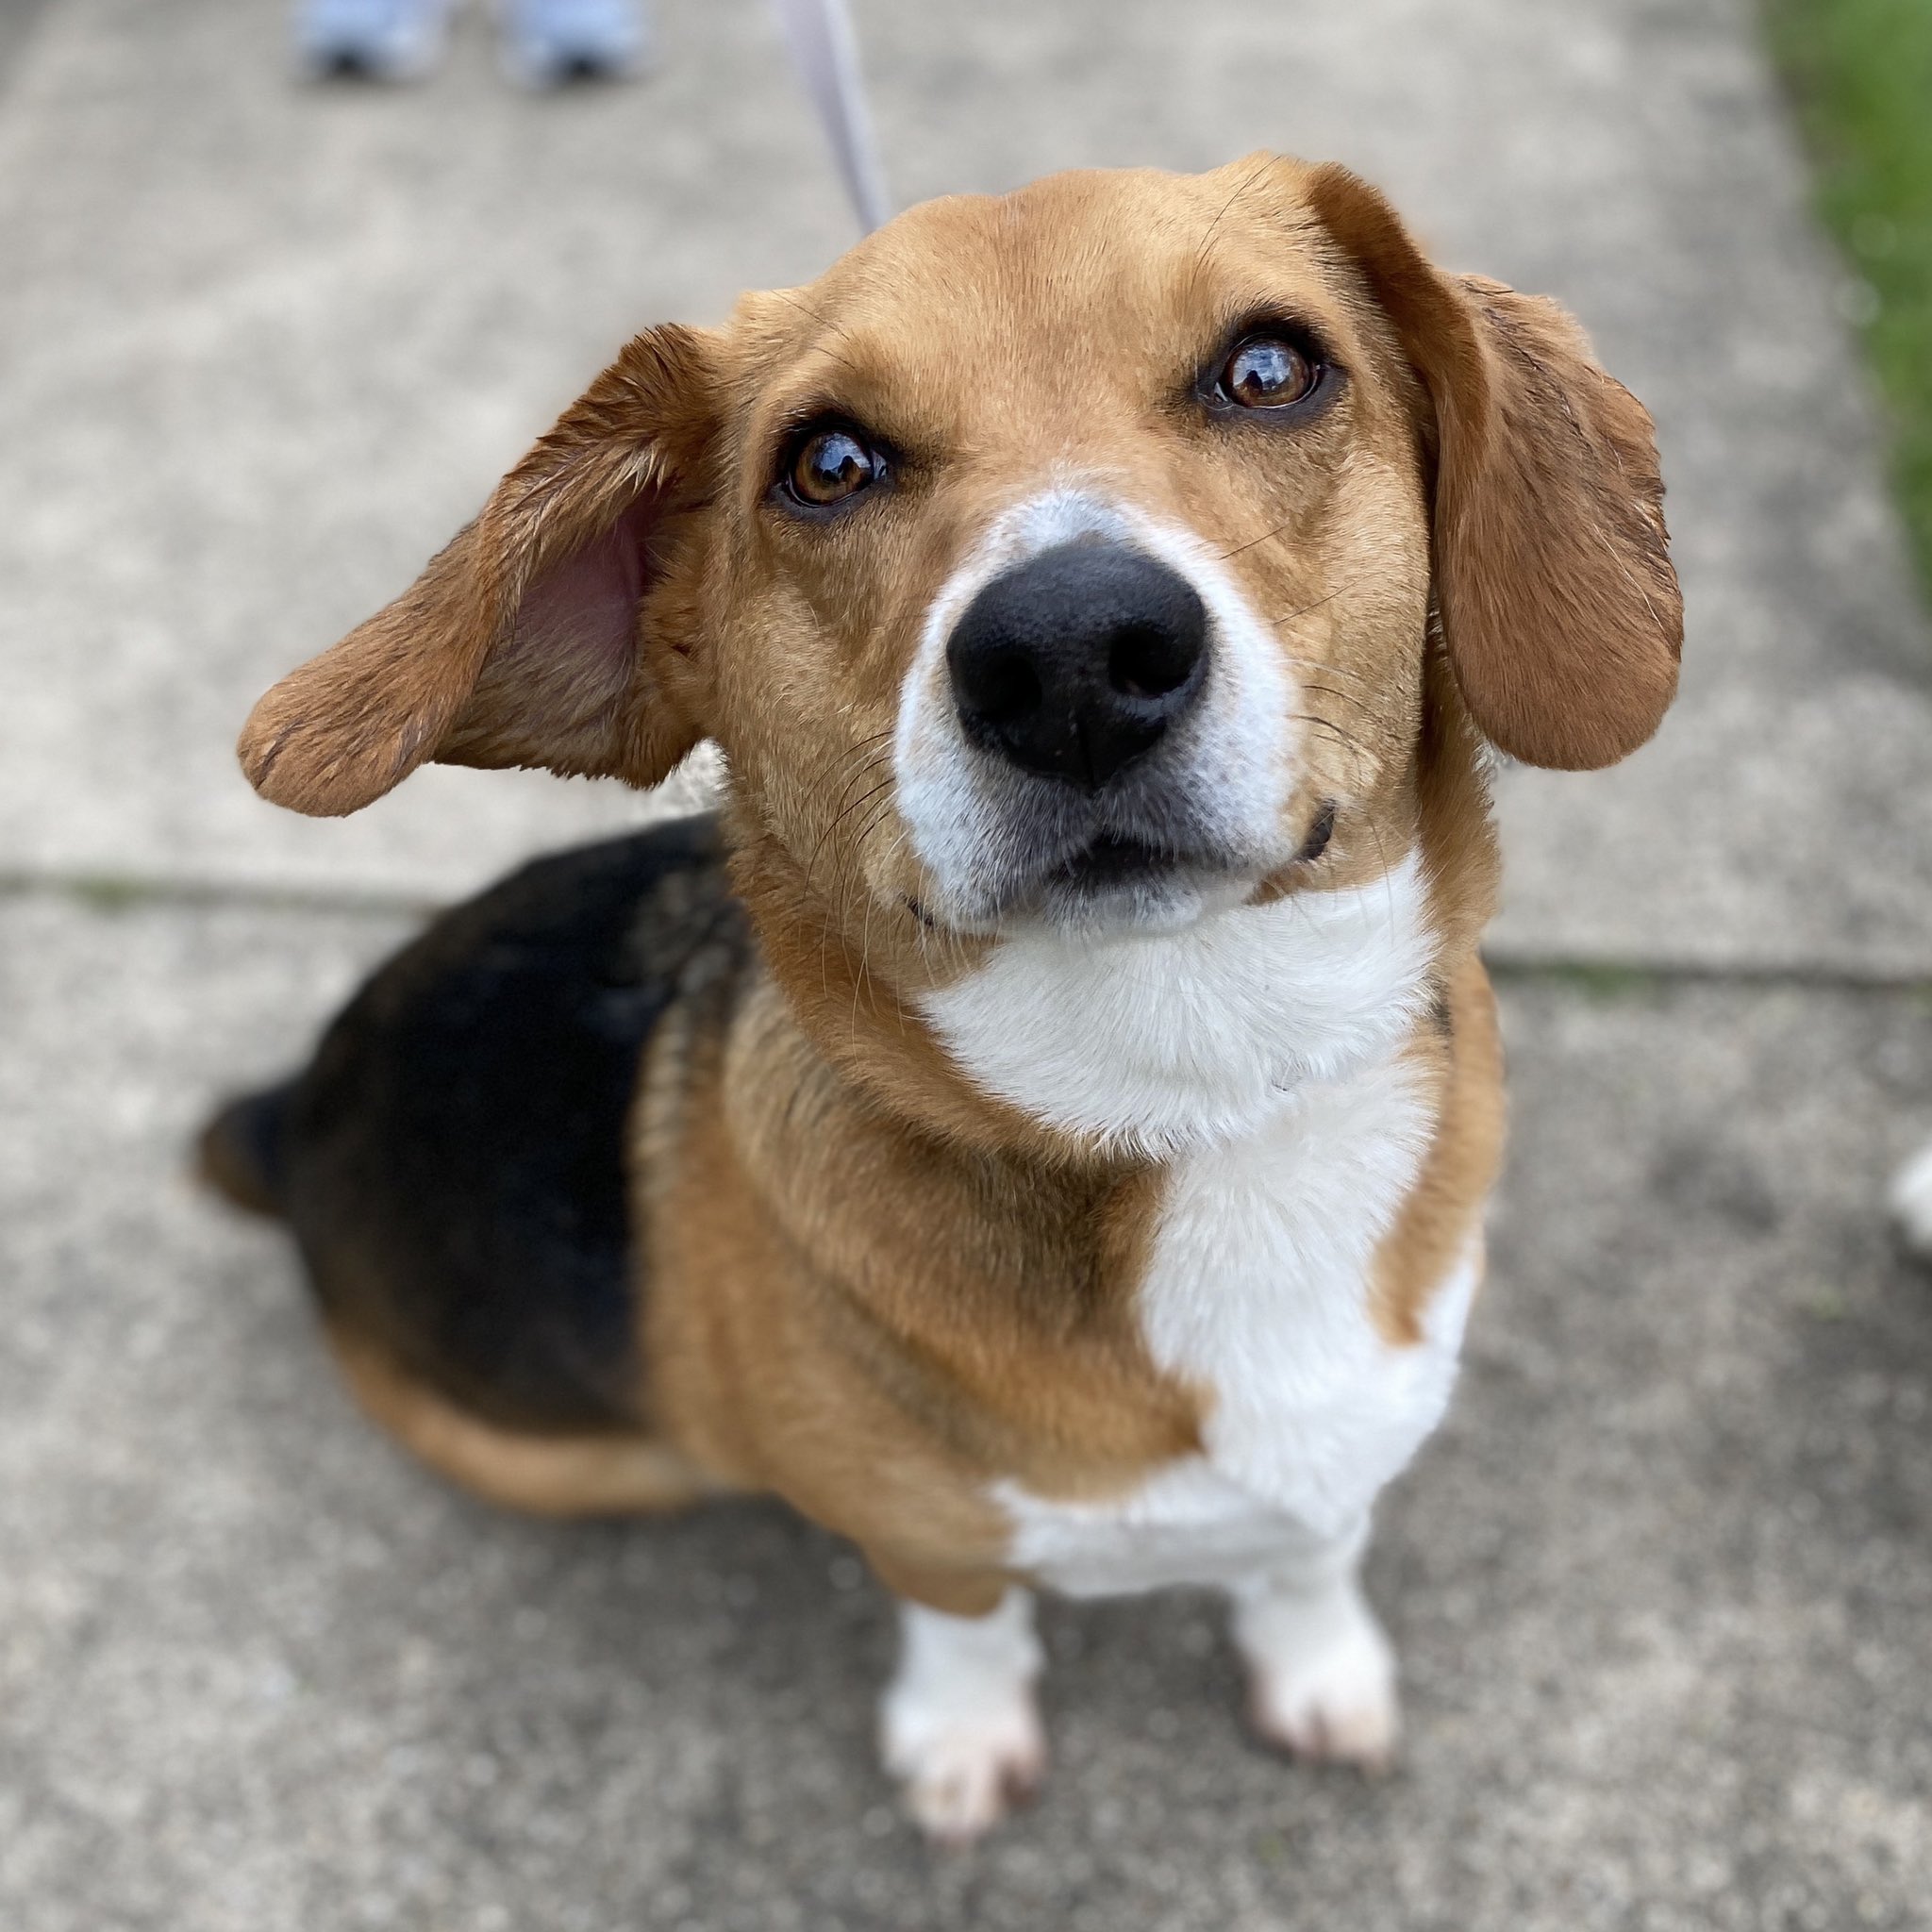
(1663,1588)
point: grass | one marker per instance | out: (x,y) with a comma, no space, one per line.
(1861,72)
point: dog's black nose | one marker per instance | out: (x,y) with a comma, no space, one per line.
(1073,663)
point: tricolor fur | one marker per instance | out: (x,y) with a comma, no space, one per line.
(1041,1129)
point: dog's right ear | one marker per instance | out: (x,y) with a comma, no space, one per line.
(530,640)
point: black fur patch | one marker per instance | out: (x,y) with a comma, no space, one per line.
(453,1161)
(242,1150)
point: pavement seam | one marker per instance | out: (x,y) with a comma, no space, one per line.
(114,891)
(1598,974)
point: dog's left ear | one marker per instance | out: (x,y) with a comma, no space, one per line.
(1553,577)
(530,639)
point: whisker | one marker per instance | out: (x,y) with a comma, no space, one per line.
(1246,182)
(1328,691)
(1303,609)
(1361,754)
(1323,664)
(865,745)
(823,321)
(869,769)
(1288,619)
(878,820)
(845,811)
(852,875)
(1239,548)
(866,752)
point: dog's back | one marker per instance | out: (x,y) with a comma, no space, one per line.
(452,1160)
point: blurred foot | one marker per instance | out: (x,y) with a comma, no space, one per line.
(370,39)
(1911,1203)
(959,1725)
(1321,1674)
(550,42)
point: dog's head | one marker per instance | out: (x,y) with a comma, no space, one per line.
(1071,561)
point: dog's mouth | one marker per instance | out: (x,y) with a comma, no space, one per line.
(1109,861)
(1152,853)
(1110,882)
(1121,881)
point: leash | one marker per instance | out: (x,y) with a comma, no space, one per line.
(825,52)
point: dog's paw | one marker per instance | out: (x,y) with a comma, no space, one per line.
(958,1776)
(1323,1687)
(1911,1203)
(958,1726)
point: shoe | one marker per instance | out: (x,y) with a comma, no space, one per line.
(549,43)
(370,39)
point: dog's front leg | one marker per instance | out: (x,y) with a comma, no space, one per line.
(1320,1673)
(959,1726)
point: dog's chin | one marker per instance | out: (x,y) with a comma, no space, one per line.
(1122,887)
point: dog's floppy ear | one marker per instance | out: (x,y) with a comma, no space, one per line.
(519,644)
(1553,577)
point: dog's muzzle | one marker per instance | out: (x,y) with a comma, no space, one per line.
(1105,746)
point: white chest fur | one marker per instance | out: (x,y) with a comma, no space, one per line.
(1258,1294)
(1266,1055)
(1172,1042)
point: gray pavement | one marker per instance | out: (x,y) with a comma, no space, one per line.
(1663,1588)
(18,19)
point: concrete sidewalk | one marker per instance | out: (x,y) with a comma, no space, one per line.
(1663,1588)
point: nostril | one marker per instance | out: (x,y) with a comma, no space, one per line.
(1003,686)
(1147,660)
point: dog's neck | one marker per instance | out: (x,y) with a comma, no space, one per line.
(1118,1050)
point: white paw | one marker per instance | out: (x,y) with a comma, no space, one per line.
(959,1778)
(958,1726)
(1321,1682)
(1911,1202)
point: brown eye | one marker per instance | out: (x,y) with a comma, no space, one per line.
(1267,373)
(829,465)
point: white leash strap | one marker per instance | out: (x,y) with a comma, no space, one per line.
(825,52)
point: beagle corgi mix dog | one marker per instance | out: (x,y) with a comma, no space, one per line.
(1040,1126)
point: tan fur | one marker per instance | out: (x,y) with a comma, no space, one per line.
(897,1374)
(1552,574)
(1443,1211)
(872,1288)
(1458,1046)
(544,1475)
(463,667)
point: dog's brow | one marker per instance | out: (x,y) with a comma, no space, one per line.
(836,331)
(1246,182)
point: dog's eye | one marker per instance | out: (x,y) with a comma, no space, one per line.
(1267,373)
(828,465)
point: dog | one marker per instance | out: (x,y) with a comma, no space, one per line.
(1039,1126)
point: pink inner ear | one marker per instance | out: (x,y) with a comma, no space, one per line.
(581,618)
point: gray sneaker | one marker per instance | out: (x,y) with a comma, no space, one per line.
(549,43)
(372,40)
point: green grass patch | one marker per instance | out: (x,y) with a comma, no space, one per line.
(1861,72)
(1602,980)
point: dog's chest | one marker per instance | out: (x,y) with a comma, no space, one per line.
(1257,1295)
